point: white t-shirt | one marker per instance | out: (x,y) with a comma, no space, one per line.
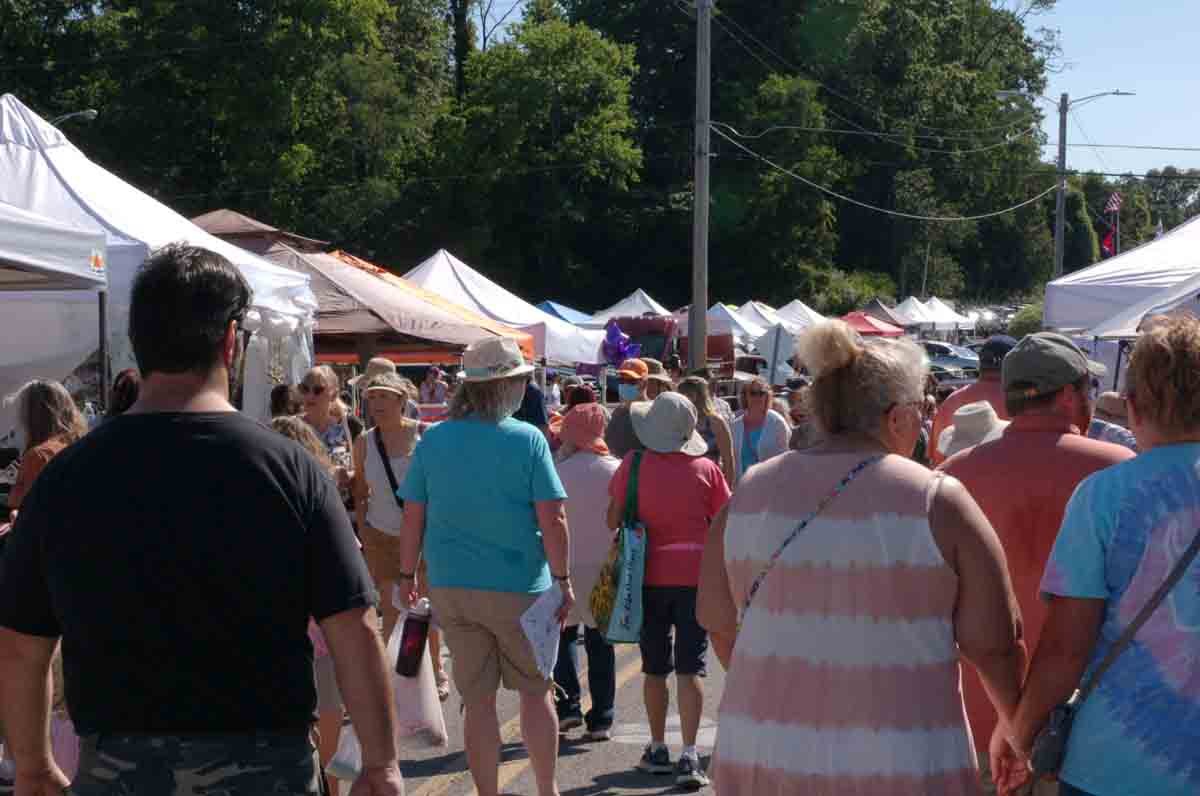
(585,476)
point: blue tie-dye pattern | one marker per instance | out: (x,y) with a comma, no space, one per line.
(1140,732)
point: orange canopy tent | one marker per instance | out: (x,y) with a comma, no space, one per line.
(865,325)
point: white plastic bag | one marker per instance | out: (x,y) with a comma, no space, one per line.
(65,744)
(419,717)
(347,760)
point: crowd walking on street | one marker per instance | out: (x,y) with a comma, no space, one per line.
(207,602)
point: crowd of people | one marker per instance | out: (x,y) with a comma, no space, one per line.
(223,592)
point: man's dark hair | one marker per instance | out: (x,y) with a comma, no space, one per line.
(1018,404)
(183,300)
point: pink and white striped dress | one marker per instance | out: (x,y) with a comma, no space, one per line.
(845,677)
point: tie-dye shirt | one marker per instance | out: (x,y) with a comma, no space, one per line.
(1125,527)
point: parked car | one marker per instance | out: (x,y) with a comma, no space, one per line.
(953,357)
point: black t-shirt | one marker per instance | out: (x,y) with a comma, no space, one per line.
(179,556)
(533,407)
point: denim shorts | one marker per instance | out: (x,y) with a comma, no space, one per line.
(667,608)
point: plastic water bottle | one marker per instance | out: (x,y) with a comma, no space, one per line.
(413,638)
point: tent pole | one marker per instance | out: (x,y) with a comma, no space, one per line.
(775,356)
(1117,370)
(102,313)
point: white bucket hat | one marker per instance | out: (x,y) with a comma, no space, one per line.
(668,425)
(377,366)
(494,359)
(974,424)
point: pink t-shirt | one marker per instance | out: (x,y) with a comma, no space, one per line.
(678,495)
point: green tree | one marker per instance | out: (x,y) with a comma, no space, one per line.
(1174,195)
(1080,246)
(1027,320)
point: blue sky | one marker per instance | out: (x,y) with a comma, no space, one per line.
(1151,47)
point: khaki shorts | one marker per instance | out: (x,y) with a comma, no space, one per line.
(487,644)
(382,553)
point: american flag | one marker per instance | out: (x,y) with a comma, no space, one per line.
(1114,203)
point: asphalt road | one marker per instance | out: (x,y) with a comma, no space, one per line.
(584,769)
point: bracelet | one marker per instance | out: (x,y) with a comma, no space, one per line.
(407,576)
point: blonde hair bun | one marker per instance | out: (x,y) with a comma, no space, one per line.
(827,347)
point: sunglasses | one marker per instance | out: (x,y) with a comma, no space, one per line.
(756,393)
(312,389)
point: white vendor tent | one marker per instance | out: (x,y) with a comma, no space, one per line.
(913,311)
(555,340)
(635,305)
(38,253)
(945,318)
(778,345)
(724,320)
(1184,297)
(1091,296)
(762,315)
(41,171)
(799,314)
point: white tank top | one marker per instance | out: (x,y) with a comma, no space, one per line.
(382,511)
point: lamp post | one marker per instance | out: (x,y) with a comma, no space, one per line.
(1065,103)
(89,115)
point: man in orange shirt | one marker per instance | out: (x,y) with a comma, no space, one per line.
(988,388)
(1023,481)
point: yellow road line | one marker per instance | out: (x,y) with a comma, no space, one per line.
(510,733)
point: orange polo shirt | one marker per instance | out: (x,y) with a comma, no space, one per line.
(986,389)
(1023,481)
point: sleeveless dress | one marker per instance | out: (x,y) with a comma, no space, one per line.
(845,676)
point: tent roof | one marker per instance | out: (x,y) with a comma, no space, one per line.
(761,314)
(454,280)
(877,309)
(231,224)
(944,316)
(568,314)
(38,253)
(800,314)
(1127,323)
(742,328)
(1089,297)
(45,173)
(864,324)
(913,312)
(635,305)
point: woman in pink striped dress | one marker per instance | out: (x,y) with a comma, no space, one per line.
(844,676)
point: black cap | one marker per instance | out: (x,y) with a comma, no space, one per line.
(992,353)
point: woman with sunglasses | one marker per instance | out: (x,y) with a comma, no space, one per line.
(759,432)
(318,391)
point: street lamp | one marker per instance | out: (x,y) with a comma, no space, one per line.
(88,115)
(1065,104)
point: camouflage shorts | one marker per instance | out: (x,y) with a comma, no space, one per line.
(197,765)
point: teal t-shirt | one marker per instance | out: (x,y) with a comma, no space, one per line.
(479,482)
(1125,527)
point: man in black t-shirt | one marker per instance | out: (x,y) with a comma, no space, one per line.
(179,551)
(533,408)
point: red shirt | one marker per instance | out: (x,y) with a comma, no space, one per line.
(678,495)
(1023,481)
(986,389)
(33,461)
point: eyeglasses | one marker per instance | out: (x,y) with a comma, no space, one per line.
(311,389)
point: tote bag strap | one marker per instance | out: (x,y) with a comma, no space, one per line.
(631,493)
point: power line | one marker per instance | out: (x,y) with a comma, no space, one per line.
(1079,126)
(1152,148)
(896,213)
(834,131)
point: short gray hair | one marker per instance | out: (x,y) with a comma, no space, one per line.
(856,379)
(487,400)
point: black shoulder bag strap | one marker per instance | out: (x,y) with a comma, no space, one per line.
(387,466)
(1123,642)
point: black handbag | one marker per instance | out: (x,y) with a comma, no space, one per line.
(1050,745)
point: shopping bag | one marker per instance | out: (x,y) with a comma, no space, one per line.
(419,717)
(65,744)
(625,625)
(604,593)
(347,760)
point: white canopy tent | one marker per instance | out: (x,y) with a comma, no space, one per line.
(1090,297)
(778,345)
(1125,325)
(555,340)
(762,315)
(799,314)
(945,318)
(44,173)
(912,310)
(635,305)
(723,319)
(38,253)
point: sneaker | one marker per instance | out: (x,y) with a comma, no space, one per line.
(656,761)
(598,734)
(689,774)
(569,722)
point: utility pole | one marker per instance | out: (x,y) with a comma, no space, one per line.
(1060,201)
(697,318)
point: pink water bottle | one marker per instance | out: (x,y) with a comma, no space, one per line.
(413,638)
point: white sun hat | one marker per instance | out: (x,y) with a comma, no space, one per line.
(974,424)
(668,425)
(493,359)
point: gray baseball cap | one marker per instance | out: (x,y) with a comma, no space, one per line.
(1043,363)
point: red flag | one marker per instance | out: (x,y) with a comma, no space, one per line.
(1106,245)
